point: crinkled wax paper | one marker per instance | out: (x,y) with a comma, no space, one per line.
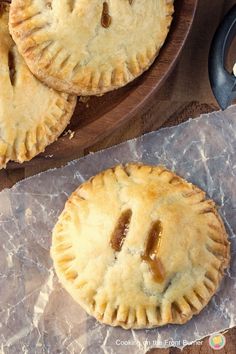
(37,315)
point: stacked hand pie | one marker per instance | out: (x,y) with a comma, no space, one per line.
(32,115)
(62,49)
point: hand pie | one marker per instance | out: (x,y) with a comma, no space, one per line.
(138,247)
(89,47)
(31,115)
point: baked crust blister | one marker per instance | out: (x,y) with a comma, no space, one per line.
(89,47)
(31,115)
(137,246)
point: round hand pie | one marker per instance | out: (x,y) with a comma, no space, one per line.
(31,115)
(89,47)
(138,246)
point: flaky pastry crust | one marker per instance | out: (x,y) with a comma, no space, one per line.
(137,246)
(31,115)
(89,47)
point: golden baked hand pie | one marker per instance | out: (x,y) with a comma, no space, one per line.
(31,115)
(138,246)
(89,47)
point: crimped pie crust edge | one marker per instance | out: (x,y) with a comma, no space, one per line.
(20,145)
(92,82)
(180,311)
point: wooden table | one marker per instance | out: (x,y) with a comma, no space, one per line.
(186,94)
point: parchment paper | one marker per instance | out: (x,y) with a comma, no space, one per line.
(37,315)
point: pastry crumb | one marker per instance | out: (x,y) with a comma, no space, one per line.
(28,213)
(84,99)
(70,133)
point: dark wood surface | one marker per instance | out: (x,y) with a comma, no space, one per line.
(203,348)
(185,94)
